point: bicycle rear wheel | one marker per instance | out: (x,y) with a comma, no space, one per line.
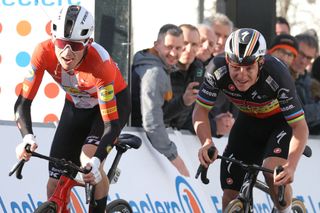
(120,206)
(298,206)
(235,206)
(47,207)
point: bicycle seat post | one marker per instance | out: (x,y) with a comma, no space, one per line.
(113,168)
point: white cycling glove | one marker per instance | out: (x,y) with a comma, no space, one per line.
(20,149)
(95,165)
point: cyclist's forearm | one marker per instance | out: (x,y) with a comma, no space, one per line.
(111,132)
(201,124)
(298,142)
(22,115)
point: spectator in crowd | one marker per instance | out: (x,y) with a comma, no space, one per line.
(222,26)
(208,40)
(179,108)
(220,118)
(151,88)
(284,47)
(315,79)
(313,33)
(282,26)
(308,49)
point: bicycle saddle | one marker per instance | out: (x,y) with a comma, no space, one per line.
(130,140)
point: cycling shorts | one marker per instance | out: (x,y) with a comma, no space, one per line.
(252,140)
(78,127)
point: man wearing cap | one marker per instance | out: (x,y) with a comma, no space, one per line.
(284,47)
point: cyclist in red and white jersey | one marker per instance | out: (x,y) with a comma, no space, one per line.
(97,104)
(270,129)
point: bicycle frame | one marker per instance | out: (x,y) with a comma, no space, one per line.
(250,181)
(61,196)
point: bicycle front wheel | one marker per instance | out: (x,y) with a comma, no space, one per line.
(47,207)
(119,205)
(235,206)
(298,206)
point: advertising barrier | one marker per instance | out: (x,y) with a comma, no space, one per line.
(147,181)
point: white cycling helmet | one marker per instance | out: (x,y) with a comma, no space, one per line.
(73,22)
(245,46)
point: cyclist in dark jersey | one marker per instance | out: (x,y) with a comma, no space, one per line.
(270,129)
(97,104)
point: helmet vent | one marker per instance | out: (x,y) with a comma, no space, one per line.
(68,29)
(84,32)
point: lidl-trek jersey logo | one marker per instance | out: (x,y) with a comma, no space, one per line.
(187,197)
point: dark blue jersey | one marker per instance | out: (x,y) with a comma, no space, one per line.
(273,93)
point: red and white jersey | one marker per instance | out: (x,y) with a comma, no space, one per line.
(95,81)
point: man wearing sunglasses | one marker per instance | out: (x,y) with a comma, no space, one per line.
(270,129)
(97,104)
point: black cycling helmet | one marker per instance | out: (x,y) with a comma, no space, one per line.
(245,46)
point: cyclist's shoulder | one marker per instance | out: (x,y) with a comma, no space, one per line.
(274,67)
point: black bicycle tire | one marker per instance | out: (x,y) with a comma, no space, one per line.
(119,205)
(47,207)
(235,206)
(298,206)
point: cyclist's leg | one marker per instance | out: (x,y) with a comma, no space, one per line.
(92,141)
(239,147)
(271,163)
(276,154)
(247,141)
(69,137)
(101,189)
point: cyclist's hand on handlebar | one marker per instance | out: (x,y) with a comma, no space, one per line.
(203,154)
(285,177)
(94,176)
(20,149)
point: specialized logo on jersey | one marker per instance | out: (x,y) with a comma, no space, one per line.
(187,197)
(219,73)
(255,95)
(106,93)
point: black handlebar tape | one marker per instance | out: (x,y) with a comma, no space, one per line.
(18,169)
(203,170)
(307,151)
(281,189)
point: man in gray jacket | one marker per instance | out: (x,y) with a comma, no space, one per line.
(151,88)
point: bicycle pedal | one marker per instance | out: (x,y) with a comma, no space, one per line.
(116,176)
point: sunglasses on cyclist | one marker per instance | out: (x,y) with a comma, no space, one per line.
(246,61)
(74,45)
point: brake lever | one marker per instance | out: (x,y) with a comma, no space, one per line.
(281,188)
(203,170)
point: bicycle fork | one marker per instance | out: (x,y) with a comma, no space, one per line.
(246,191)
(61,195)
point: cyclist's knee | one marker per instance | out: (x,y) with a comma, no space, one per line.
(228,196)
(51,185)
